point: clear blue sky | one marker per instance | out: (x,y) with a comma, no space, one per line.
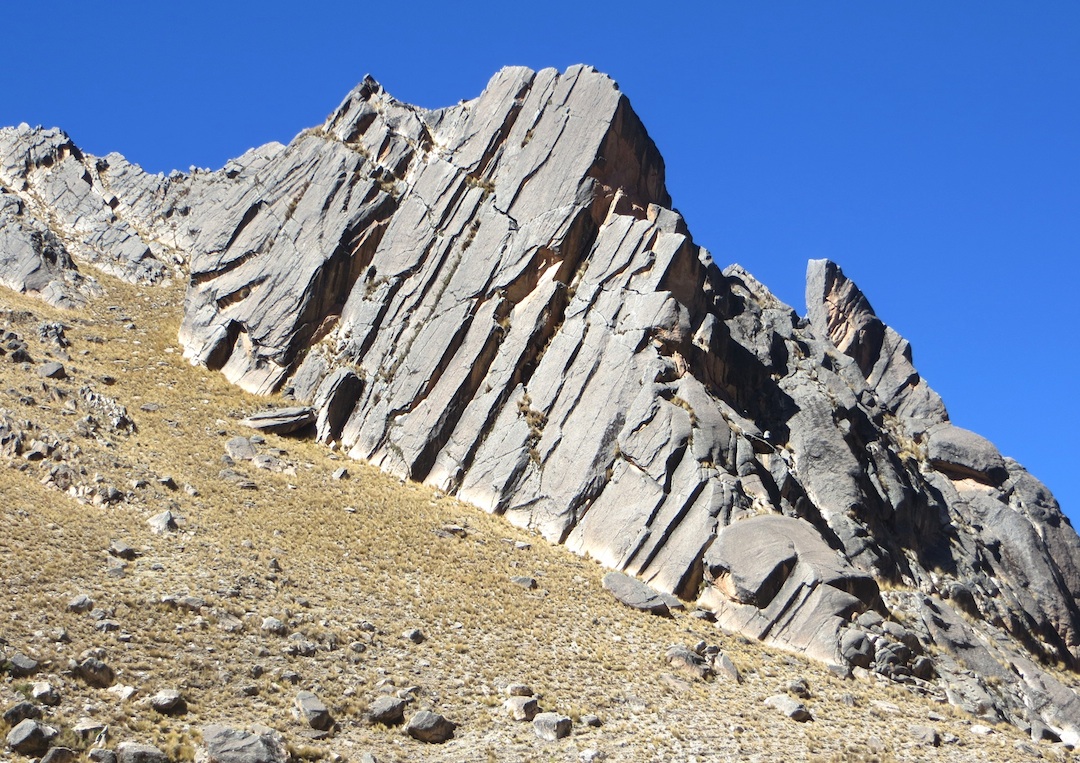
(932,149)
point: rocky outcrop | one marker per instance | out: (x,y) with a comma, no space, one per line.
(497,299)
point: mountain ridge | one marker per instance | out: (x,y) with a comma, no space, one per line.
(591,373)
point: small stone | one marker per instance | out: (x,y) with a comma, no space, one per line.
(799,688)
(163,523)
(687,661)
(389,711)
(45,693)
(87,729)
(925,735)
(340,474)
(81,603)
(519,690)
(430,727)
(99,755)
(551,726)
(524,581)
(790,707)
(590,755)
(133,752)
(275,626)
(95,672)
(522,708)
(312,711)
(52,370)
(456,530)
(122,692)
(168,702)
(980,730)
(240,449)
(21,666)
(414,635)
(592,721)
(60,755)
(121,550)
(724,667)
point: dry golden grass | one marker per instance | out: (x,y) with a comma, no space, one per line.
(293,549)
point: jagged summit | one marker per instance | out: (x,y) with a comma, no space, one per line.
(497,299)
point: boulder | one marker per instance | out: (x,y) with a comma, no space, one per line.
(430,727)
(21,666)
(790,707)
(551,726)
(95,672)
(165,522)
(635,594)
(168,702)
(20,712)
(226,745)
(281,421)
(29,737)
(962,453)
(312,711)
(60,755)
(389,711)
(521,708)
(135,752)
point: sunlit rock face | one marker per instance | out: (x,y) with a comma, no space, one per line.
(498,299)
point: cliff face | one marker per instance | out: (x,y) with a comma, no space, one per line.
(497,299)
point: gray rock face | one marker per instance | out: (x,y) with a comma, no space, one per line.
(54,180)
(769,569)
(497,299)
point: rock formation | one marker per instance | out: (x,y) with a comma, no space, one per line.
(497,299)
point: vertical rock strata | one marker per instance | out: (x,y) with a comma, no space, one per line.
(498,299)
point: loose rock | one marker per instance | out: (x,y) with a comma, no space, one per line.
(389,711)
(227,745)
(430,727)
(134,752)
(312,711)
(790,707)
(552,726)
(29,737)
(522,708)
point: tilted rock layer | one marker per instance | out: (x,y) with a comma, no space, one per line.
(497,299)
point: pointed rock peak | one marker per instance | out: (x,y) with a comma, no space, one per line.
(840,312)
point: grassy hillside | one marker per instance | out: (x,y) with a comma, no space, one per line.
(348,565)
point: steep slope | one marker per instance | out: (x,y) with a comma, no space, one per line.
(496,299)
